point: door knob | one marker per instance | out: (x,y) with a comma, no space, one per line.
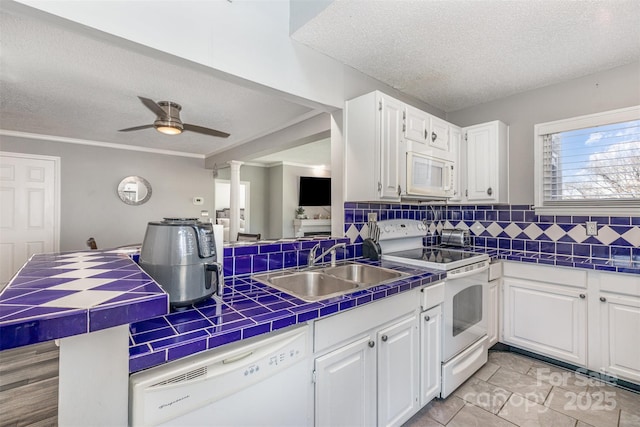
(385,338)
(427,318)
(583,296)
(372,343)
(489,191)
(603,299)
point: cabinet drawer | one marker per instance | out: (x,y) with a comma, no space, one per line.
(544,273)
(495,270)
(626,284)
(432,296)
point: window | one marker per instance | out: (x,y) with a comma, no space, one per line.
(589,164)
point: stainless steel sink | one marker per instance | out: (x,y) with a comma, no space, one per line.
(308,285)
(315,285)
(363,273)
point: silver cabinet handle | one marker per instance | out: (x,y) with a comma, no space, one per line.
(434,136)
(385,338)
(425,134)
(372,343)
(379,186)
(489,191)
(603,299)
(427,318)
(399,190)
(583,296)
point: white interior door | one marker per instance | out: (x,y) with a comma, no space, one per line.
(29,209)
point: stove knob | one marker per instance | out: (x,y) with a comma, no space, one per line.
(387,228)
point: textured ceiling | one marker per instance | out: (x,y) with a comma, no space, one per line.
(62,82)
(459,53)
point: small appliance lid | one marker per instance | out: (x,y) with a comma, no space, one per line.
(180,220)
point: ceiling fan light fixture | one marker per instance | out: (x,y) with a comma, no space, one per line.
(169,130)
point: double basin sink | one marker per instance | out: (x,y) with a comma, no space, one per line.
(316,284)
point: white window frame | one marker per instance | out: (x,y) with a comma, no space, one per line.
(580,122)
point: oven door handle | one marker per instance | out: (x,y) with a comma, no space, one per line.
(468,273)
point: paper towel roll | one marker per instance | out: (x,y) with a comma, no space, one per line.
(218,235)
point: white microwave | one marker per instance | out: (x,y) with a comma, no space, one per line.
(429,177)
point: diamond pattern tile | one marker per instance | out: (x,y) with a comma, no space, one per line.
(554,232)
(533,231)
(578,233)
(607,235)
(632,236)
(513,230)
(494,229)
(477,228)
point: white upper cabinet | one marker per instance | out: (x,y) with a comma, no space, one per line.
(416,128)
(426,134)
(439,136)
(487,163)
(374,150)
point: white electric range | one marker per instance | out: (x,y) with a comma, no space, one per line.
(464,331)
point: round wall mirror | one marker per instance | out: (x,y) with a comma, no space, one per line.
(134,190)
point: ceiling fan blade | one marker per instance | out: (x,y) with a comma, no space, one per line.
(205,131)
(153,106)
(136,128)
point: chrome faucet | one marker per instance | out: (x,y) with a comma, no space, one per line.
(332,250)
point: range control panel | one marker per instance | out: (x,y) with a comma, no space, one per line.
(401,228)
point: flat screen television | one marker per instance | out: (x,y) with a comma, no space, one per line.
(314,191)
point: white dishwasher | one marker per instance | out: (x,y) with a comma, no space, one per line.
(257,382)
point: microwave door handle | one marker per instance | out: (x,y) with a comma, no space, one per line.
(449,173)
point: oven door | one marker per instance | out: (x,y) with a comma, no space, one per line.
(465,309)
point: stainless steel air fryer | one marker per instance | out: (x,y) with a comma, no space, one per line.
(180,254)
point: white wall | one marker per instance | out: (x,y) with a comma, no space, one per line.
(247,39)
(90,206)
(608,90)
(260,186)
(290,191)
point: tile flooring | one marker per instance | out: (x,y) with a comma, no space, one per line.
(515,390)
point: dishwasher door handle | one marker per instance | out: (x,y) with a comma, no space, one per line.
(236,358)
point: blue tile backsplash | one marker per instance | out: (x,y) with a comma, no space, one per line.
(512,228)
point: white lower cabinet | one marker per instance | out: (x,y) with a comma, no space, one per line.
(618,321)
(430,354)
(346,385)
(367,365)
(376,371)
(544,315)
(398,377)
(493,315)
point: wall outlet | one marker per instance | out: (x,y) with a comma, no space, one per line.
(592,228)
(372,216)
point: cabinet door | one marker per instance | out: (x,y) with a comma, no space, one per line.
(481,162)
(416,125)
(547,319)
(346,385)
(391,148)
(493,323)
(398,368)
(430,354)
(620,330)
(458,148)
(439,135)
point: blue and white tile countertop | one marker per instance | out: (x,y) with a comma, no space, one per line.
(249,308)
(60,295)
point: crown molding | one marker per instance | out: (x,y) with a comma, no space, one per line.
(97,143)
